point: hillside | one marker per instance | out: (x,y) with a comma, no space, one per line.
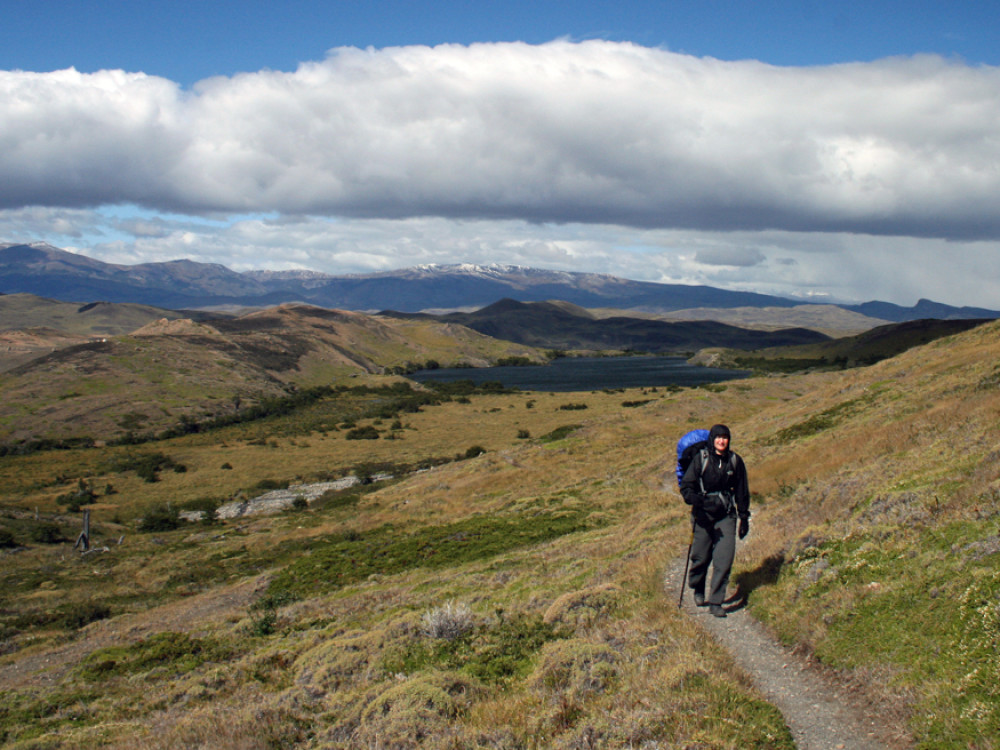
(861,349)
(832,320)
(31,325)
(181,372)
(562,326)
(518,594)
(18,311)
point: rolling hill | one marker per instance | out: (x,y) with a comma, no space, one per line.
(169,371)
(519,594)
(567,327)
(31,326)
(861,349)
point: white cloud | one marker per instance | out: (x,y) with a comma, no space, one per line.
(843,267)
(596,131)
(860,181)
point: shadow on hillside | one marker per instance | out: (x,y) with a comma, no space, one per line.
(749,581)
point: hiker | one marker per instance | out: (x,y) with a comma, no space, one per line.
(715,486)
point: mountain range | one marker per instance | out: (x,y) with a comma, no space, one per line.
(50,272)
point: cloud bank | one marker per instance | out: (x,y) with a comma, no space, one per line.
(591,133)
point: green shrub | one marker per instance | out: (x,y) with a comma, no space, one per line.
(474,450)
(264,613)
(172,653)
(266,485)
(46,533)
(6,539)
(161,517)
(559,433)
(78,615)
(82,495)
(363,433)
(344,559)
(493,652)
(146,465)
(333,499)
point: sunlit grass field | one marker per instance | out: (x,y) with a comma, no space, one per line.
(512,596)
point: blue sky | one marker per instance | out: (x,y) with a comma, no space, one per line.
(186,41)
(842,151)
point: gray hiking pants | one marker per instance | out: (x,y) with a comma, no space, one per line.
(715,546)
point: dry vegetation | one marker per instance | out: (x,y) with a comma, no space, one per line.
(171,374)
(519,602)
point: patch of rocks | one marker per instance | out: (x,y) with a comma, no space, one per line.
(276,501)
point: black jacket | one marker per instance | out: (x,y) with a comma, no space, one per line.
(726,473)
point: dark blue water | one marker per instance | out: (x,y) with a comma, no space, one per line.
(588,374)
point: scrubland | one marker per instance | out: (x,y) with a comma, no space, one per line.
(505,588)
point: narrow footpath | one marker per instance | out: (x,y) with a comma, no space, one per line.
(819,714)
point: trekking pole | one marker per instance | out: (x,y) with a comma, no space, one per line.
(687,563)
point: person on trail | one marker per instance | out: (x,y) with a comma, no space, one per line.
(715,486)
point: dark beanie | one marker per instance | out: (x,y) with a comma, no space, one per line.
(719,430)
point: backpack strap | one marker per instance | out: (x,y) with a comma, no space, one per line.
(704,463)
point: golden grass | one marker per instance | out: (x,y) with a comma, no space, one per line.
(632,669)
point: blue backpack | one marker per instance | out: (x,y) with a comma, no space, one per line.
(687,446)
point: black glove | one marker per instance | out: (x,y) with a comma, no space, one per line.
(744,527)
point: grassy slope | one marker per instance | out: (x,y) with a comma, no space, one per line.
(850,351)
(874,545)
(95,319)
(829,319)
(171,371)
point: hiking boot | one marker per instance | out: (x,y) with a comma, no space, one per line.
(699,598)
(717,610)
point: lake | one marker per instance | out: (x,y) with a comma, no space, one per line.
(588,374)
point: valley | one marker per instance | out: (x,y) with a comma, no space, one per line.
(507,584)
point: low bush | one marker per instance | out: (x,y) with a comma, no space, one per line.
(161,517)
(82,495)
(169,652)
(559,433)
(363,433)
(344,559)
(267,485)
(449,621)
(46,532)
(492,651)
(76,616)
(7,539)
(146,465)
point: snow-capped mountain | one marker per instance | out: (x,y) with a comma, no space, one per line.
(47,271)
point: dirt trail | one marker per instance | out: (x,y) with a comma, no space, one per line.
(820,714)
